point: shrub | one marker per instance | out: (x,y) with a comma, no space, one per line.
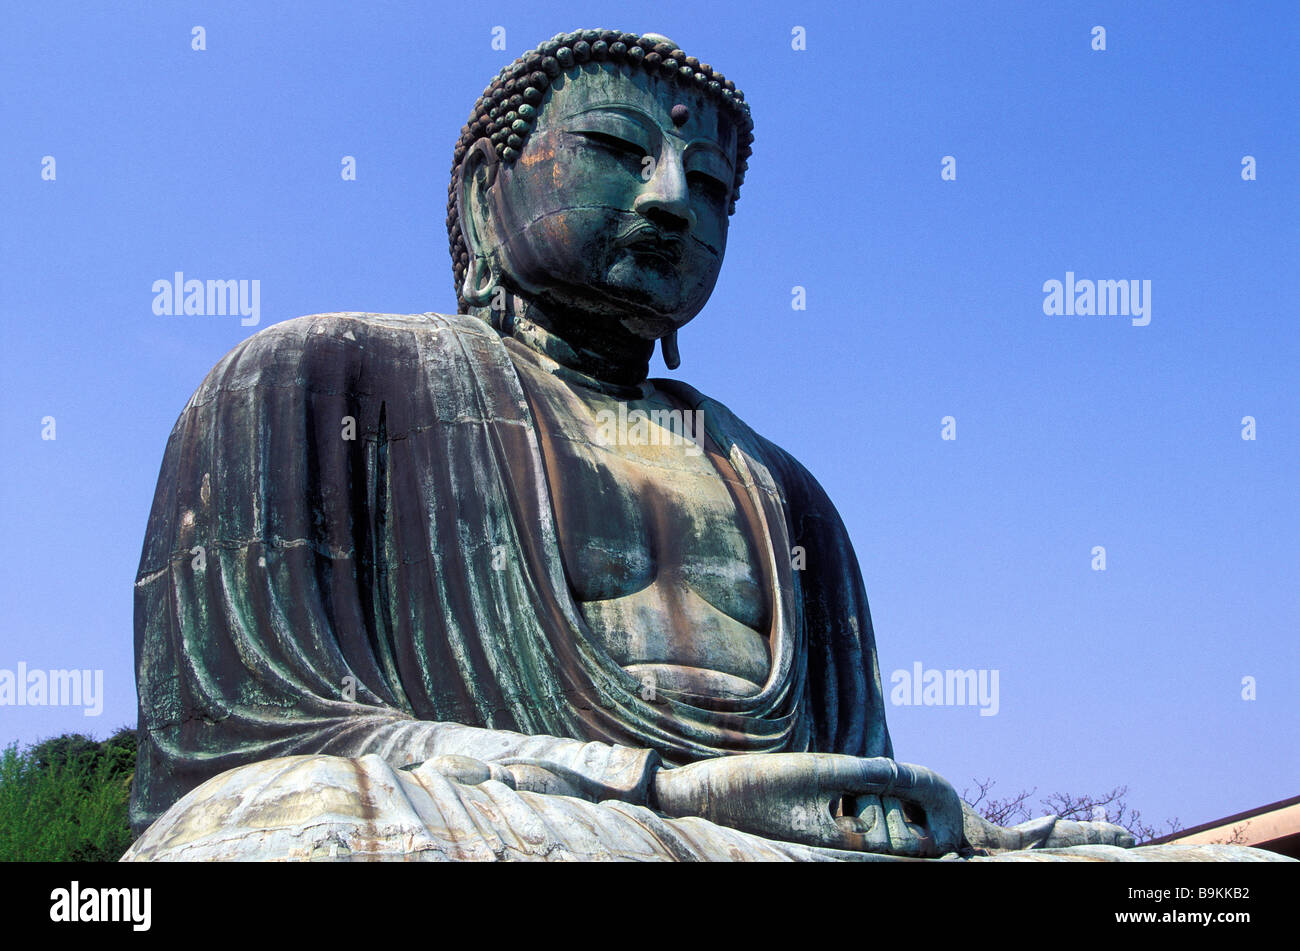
(65,799)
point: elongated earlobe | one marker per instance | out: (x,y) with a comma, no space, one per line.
(480,281)
(477,175)
(672,356)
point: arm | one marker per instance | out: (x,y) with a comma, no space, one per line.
(319,570)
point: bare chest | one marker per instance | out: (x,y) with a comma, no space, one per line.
(656,533)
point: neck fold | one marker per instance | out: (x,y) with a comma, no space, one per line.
(597,348)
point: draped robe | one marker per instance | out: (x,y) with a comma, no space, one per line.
(401,592)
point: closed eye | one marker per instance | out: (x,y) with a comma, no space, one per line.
(711,184)
(613,143)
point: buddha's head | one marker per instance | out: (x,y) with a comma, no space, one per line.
(594,184)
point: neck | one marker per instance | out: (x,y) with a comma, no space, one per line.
(600,348)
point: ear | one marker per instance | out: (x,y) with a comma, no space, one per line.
(478,172)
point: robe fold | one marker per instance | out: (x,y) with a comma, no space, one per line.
(352,551)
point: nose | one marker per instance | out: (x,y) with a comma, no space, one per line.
(666,198)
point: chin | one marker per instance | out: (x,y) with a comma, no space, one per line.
(652,329)
(651,319)
(653,310)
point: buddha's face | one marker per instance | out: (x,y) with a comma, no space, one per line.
(616,208)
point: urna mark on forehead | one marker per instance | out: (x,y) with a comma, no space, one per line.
(684,113)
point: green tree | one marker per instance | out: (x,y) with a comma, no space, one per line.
(65,799)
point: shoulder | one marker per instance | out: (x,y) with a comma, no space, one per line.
(351,332)
(325,350)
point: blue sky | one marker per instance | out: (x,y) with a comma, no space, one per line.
(924,300)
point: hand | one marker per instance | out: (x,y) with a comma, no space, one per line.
(463,769)
(823,799)
(521,775)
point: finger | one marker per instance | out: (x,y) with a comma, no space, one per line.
(906,837)
(460,769)
(853,775)
(528,777)
(880,824)
(863,824)
(922,812)
(885,777)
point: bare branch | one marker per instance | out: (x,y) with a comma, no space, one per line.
(1002,812)
(1110,806)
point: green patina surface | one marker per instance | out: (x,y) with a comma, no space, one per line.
(514,598)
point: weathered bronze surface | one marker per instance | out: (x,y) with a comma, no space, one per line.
(474,587)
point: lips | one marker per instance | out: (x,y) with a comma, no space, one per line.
(648,239)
